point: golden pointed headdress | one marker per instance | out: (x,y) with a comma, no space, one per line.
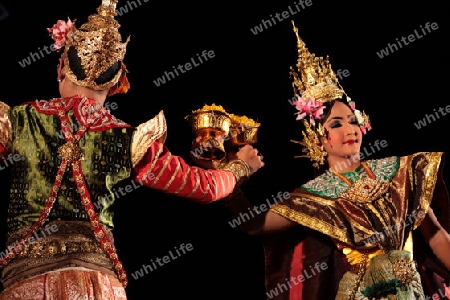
(314,78)
(315,83)
(98,44)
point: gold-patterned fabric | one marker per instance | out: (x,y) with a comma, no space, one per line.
(5,125)
(68,284)
(381,224)
(361,224)
(146,133)
(388,276)
(59,244)
(38,135)
(70,158)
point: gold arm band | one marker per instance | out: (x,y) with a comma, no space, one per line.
(5,125)
(240,169)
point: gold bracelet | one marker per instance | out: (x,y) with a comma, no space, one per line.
(5,126)
(240,169)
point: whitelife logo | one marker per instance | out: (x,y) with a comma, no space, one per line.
(159,262)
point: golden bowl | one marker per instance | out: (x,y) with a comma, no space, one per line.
(209,144)
(242,134)
(210,119)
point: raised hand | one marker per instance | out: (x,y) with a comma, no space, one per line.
(251,156)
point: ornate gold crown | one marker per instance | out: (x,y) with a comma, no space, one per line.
(315,83)
(99,46)
(314,78)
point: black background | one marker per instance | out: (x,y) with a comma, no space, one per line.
(249,75)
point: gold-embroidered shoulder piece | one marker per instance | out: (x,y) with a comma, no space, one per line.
(145,134)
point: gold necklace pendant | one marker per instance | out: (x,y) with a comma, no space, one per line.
(70,151)
(365,190)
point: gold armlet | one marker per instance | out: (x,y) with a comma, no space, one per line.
(240,169)
(5,125)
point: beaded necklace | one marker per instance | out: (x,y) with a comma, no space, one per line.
(369,172)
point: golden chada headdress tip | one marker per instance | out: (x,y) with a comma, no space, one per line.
(314,77)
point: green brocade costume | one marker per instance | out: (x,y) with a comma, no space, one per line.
(106,161)
(70,161)
(360,242)
(106,149)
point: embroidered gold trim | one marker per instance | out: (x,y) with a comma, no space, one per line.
(155,160)
(405,270)
(216,186)
(296,198)
(207,189)
(240,169)
(174,175)
(72,244)
(161,172)
(311,222)
(429,182)
(197,184)
(185,180)
(145,134)
(365,190)
(5,124)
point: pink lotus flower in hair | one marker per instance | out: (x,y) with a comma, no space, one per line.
(309,107)
(352,105)
(60,33)
(366,127)
(363,121)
